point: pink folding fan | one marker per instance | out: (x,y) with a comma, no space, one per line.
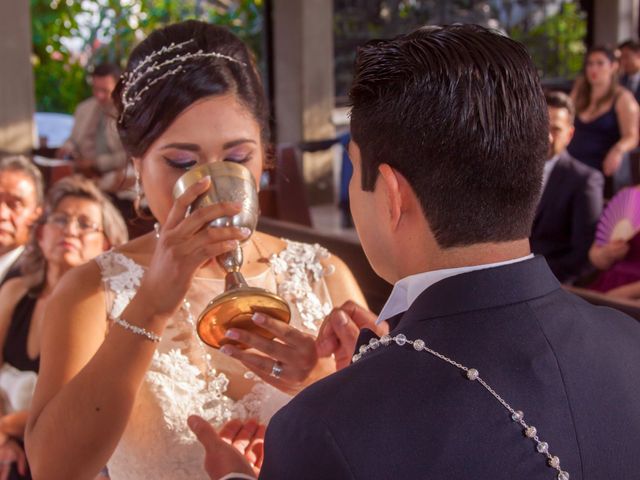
(621,217)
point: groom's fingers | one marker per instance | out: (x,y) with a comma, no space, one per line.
(230,430)
(204,432)
(327,341)
(362,317)
(245,436)
(346,331)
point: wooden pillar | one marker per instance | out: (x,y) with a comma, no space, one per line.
(615,21)
(304,84)
(17,103)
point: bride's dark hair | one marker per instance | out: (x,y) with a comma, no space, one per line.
(142,121)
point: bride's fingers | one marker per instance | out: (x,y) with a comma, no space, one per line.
(271,348)
(179,209)
(289,377)
(283,331)
(200,217)
(210,237)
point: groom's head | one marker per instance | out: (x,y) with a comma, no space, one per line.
(457,115)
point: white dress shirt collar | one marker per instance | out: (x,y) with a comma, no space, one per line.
(407,289)
(8,259)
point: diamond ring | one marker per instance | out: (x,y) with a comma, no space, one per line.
(276,370)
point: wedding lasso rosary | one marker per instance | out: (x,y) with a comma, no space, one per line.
(472,374)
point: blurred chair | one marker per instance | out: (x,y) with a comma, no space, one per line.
(285,197)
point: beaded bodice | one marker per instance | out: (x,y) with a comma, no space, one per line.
(157,442)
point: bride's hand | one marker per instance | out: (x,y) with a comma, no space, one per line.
(184,245)
(289,362)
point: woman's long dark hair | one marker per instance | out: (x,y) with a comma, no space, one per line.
(583,90)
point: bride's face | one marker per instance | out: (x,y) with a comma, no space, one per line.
(214,129)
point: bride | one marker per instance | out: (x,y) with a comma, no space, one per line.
(121,365)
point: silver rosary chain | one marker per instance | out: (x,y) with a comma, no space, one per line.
(474,375)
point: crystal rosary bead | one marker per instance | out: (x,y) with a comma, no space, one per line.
(472,374)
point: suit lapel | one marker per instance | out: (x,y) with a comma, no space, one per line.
(554,183)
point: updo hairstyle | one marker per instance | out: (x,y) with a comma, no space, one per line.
(147,118)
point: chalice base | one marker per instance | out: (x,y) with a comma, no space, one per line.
(234,309)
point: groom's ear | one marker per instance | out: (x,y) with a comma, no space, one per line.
(398,193)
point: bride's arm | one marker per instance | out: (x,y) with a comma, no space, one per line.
(342,285)
(88,382)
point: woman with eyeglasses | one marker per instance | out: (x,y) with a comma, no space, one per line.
(79,223)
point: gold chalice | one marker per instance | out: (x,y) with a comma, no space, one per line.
(232,182)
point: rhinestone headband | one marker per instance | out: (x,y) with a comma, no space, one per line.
(152,64)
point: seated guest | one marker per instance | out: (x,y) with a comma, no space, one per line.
(21,192)
(79,223)
(630,67)
(619,262)
(492,370)
(94,144)
(571,203)
(606,123)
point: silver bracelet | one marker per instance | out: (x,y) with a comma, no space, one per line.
(137,330)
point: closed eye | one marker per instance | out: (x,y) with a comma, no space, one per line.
(233,159)
(180,164)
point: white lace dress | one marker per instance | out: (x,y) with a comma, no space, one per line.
(157,444)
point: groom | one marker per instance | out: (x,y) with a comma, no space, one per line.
(449,128)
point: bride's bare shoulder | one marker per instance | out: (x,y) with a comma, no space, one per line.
(269,244)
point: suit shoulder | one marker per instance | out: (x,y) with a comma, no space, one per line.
(86,106)
(580,169)
(605,322)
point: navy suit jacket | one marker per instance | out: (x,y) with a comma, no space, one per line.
(625,82)
(566,219)
(14,270)
(573,369)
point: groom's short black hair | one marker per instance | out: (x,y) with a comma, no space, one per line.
(459,112)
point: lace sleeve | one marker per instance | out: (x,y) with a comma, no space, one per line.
(300,277)
(120,278)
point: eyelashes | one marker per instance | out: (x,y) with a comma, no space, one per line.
(187,164)
(180,164)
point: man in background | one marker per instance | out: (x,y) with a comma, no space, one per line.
(21,194)
(94,145)
(630,66)
(571,203)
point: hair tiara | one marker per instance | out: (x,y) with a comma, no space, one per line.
(151,64)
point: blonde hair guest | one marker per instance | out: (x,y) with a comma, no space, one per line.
(79,223)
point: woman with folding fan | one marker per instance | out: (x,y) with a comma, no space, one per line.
(616,250)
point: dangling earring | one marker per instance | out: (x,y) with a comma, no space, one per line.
(139,193)
(138,186)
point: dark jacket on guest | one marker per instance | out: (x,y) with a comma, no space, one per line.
(566,219)
(625,81)
(571,367)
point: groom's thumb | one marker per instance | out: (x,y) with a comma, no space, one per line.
(203,430)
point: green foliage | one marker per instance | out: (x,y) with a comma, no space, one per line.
(109,29)
(59,78)
(557,44)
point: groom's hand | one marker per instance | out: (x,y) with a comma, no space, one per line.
(220,457)
(339,332)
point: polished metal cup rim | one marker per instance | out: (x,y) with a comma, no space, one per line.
(212,170)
